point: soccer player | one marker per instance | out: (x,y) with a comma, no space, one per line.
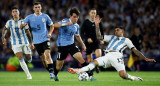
(41,37)
(114,55)
(88,32)
(19,41)
(68,29)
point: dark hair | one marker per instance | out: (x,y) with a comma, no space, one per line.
(121,27)
(74,10)
(92,9)
(37,3)
(14,7)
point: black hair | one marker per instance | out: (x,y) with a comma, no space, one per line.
(37,3)
(14,7)
(121,27)
(92,9)
(74,10)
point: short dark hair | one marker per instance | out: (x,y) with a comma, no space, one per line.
(121,27)
(14,7)
(37,3)
(74,10)
(92,9)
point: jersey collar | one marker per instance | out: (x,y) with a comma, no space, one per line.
(36,15)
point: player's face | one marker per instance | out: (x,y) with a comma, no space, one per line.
(119,32)
(74,18)
(37,8)
(92,13)
(15,13)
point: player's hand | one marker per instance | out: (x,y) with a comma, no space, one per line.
(4,41)
(150,60)
(23,25)
(83,48)
(32,46)
(97,20)
(101,42)
(89,40)
(49,35)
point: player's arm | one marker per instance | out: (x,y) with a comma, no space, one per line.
(50,31)
(29,38)
(23,25)
(58,25)
(4,31)
(79,39)
(139,54)
(98,32)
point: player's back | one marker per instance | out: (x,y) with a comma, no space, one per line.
(66,33)
(18,36)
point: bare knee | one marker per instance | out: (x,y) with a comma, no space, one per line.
(123,74)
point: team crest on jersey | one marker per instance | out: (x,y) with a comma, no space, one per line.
(43,19)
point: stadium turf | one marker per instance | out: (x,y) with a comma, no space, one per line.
(67,79)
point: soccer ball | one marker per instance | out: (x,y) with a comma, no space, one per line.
(83,76)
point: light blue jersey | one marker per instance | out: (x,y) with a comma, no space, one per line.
(38,25)
(18,36)
(66,33)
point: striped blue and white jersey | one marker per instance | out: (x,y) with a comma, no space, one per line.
(18,36)
(66,33)
(118,44)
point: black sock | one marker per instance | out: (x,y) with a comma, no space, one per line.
(90,73)
(84,64)
(55,71)
(50,68)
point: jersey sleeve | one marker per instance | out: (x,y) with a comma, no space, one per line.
(49,21)
(26,27)
(63,21)
(26,20)
(7,25)
(107,38)
(77,32)
(129,43)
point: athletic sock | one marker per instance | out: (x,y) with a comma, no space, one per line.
(85,69)
(24,66)
(55,71)
(50,68)
(89,67)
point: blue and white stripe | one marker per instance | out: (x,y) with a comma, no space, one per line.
(18,36)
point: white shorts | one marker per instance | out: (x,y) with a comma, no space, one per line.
(21,48)
(113,59)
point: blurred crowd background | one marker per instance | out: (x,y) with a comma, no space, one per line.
(141,19)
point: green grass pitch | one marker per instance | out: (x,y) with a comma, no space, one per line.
(66,79)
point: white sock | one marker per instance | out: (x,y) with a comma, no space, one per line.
(24,66)
(89,67)
(130,77)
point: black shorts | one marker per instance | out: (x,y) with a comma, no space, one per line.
(63,51)
(42,47)
(92,47)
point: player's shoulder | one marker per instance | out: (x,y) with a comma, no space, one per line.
(127,39)
(44,14)
(86,20)
(29,16)
(10,20)
(77,25)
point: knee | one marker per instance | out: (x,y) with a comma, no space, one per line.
(123,75)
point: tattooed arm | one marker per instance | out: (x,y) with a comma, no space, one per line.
(4,31)
(139,54)
(98,33)
(29,38)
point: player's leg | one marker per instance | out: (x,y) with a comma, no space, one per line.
(98,54)
(18,52)
(124,75)
(118,63)
(27,52)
